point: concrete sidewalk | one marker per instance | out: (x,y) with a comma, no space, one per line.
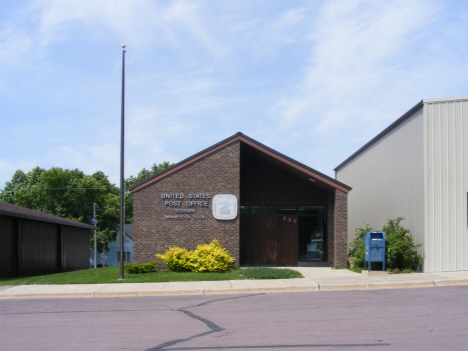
(315,279)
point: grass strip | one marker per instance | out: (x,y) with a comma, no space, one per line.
(106,275)
(270,273)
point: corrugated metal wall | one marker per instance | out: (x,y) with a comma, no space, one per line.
(75,248)
(8,247)
(446,171)
(388,180)
(40,248)
(29,247)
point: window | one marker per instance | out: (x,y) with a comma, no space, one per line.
(126,256)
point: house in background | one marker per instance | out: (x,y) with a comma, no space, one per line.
(113,255)
(417,169)
(33,242)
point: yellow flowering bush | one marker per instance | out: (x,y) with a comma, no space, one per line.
(176,258)
(211,258)
(205,258)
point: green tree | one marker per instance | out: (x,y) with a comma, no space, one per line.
(8,193)
(71,193)
(131,181)
(67,194)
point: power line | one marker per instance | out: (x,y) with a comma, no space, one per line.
(72,188)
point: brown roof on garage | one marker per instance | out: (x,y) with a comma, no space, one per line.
(259,146)
(8,209)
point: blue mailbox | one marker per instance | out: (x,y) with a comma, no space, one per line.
(374,249)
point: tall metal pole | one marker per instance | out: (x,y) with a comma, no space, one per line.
(95,237)
(122,180)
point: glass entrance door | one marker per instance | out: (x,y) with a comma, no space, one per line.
(312,236)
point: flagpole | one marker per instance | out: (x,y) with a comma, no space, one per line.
(122,180)
(95,237)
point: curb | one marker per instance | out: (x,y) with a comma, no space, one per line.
(313,286)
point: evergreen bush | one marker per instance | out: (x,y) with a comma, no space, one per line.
(136,268)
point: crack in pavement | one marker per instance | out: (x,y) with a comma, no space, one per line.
(212,326)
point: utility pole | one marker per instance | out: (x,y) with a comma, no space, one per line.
(122,180)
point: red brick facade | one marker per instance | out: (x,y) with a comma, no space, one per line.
(217,173)
(331,227)
(218,170)
(340,227)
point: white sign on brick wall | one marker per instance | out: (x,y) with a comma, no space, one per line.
(224,206)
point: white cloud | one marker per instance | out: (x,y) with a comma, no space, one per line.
(13,45)
(357,48)
(311,79)
(139,24)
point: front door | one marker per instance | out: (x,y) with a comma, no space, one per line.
(312,238)
(269,240)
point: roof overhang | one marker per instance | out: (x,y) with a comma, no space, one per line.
(7,209)
(398,122)
(381,134)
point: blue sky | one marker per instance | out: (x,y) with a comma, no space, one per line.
(314,80)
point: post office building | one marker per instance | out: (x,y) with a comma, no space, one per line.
(264,207)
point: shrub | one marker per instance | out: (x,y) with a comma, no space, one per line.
(400,255)
(357,245)
(205,258)
(401,251)
(210,258)
(136,268)
(177,259)
(270,273)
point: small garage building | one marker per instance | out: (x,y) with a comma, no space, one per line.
(33,242)
(264,207)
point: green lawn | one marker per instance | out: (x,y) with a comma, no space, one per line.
(112,274)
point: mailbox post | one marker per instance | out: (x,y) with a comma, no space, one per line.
(374,249)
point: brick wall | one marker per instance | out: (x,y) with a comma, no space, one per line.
(217,173)
(330,227)
(340,228)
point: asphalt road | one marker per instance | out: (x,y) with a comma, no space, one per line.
(407,319)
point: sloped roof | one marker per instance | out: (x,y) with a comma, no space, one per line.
(259,146)
(128,230)
(396,124)
(381,134)
(8,209)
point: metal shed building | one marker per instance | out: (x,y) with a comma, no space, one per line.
(417,168)
(33,242)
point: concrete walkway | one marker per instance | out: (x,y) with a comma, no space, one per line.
(315,279)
